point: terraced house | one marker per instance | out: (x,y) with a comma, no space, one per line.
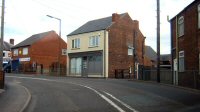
(185,46)
(99,47)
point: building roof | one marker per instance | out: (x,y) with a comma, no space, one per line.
(34,38)
(195,1)
(94,25)
(150,53)
(7,46)
(165,57)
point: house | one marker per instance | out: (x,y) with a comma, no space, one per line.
(100,47)
(41,53)
(7,51)
(185,45)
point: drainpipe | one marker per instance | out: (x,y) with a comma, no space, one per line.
(104,54)
(177,54)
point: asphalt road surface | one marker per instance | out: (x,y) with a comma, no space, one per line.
(66,94)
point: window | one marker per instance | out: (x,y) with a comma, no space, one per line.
(94,41)
(181,26)
(130,51)
(15,52)
(199,16)
(76,43)
(25,51)
(4,54)
(181,61)
(76,65)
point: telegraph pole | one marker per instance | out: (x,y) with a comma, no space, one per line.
(2,75)
(2,34)
(158,41)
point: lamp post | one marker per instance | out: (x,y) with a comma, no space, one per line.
(58,42)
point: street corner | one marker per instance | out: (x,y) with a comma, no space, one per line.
(15,99)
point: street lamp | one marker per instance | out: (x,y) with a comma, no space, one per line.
(59,23)
(58,41)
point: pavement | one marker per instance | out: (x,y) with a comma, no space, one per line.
(14,98)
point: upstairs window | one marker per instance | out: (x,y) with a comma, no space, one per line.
(94,41)
(199,16)
(181,26)
(76,43)
(15,52)
(25,51)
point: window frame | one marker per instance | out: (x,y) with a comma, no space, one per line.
(94,41)
(76,43)
(181,26)
(15,52)
(25,51)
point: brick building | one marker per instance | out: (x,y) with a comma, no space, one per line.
(101,46)
(185,45)
(40,53)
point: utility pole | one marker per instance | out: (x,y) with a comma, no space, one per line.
(2,34)
(2,75)
(158,41)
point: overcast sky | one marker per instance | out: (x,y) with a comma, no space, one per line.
(24,18)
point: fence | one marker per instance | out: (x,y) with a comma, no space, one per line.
(188,78)
(53,69)
(122,73)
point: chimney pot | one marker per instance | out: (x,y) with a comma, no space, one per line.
(12,41)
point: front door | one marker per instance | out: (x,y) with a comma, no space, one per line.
(85,67)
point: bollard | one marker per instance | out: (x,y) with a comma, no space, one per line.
(2,77)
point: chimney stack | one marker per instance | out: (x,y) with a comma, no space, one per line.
(115,17)
(12,41)
(136,23)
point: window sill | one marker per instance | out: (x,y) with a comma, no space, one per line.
(180,36)
(75,48)
(93,46)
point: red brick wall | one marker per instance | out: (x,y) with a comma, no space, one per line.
(120,37)
(189,41)
(45,51)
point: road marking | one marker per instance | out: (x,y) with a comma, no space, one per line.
(126,105)
(98,93)
(107,99)
(27,101)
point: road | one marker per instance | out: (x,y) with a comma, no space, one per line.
(67,94)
